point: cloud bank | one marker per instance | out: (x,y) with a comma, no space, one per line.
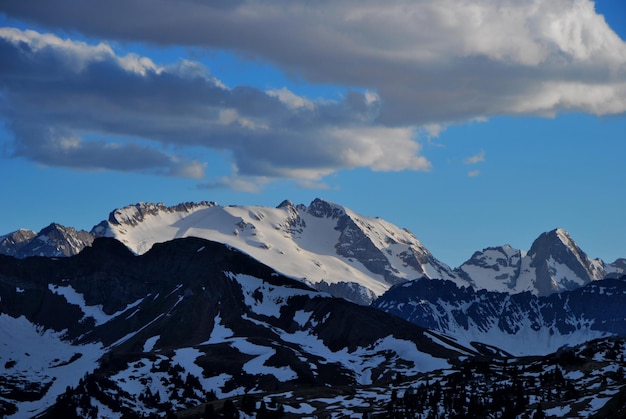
(82,106)
(423,64)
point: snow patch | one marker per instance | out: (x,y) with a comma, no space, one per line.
(43,356)
(148,346)
(95,312)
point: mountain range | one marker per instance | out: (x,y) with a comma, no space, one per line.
(329,247)
(181,310)
(194,327)
(520,324)
(187,311)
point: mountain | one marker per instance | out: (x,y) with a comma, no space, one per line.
(329,247)
(554,263)
(194,327)
(53,241)
(186,322)
(325,245)
(11,244)
(521,324)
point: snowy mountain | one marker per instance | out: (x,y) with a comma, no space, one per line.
(185,323)
(329,247)
(325,245)
(521,324)
(11,244)
(193,326)
(53,241)
(554,263)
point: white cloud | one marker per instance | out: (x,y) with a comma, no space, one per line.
(433,130)
(292,100)
(428,61)
(236,183)
(473,173)
(163,112)
(477,158)
(414,66)
(308,184)
(189,169)
(382,149)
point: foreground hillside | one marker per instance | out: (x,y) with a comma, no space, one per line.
(189,314)
(584,381)
(194,327)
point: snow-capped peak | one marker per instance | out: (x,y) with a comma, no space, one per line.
(321,208)
(328,244)
(322,242)
(554,263)
(134,214)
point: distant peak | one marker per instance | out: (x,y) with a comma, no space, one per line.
(558,235)
(550,241)
(562,233)
(558,231)
(321,208)
(53,227)
(285,204)
(133,214)
(555,233)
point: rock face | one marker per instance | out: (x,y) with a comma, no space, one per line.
(12,243)
(187,308)
(554,263)
(522,324)
(560,264)
(53,241)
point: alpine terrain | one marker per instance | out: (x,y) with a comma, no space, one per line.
(194,328)
(201,310)
(329,247)
(185,323)
(554,263)
(521,324)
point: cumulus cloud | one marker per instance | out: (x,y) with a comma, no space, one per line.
(430,62)
(414,67)
(77,105)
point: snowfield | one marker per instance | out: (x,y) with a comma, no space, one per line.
(290,239)
(32,355)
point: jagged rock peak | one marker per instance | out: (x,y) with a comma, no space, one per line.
(325,209)
(18,236)
(10,244)
(558,244)
(286,204)
(56,227)
(555,237)
(133,214)
(57,231)
(556,256)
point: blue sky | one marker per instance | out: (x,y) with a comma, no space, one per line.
(472,124)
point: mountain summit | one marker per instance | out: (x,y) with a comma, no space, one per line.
(560,264)
(329,247)
(52,241)
(554,263)
(325,244)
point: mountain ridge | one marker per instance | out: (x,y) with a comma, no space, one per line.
(108,333)
(331,247)
(522,323)
(233,323)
